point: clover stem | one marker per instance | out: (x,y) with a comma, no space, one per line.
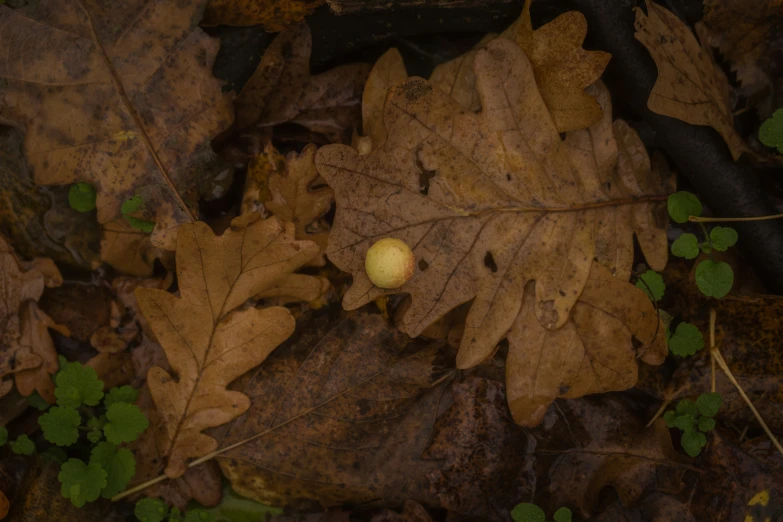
(725,367)
(707,237)
(698,219)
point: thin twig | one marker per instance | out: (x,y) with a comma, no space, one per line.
(698,219)
(668,400)
(713,316)
(725,367)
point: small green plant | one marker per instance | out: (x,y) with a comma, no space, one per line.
(714,278)
(694,419)
(81,197)
(21,446)
(531,513)
(155,510)
(131,206)
(110,416)
(771,131)
(686,338)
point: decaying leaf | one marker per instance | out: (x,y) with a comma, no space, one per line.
(130,250)
(26,349)
(562,69)
(37,220)
(749,37)
(337,418)
(273,15)
(120,96)
(690,87)
(208,341)
(490,201)
(388,71)
(281,90)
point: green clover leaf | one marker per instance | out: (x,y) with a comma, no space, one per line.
(151,510)
(37,402)
(562,515)
(686,340)
(692,442)
(670,417)
(198,515)
(686,246)
(652,284)
(81,482)
(81,197)
(125,422)
(714,278)
(687,407)
(77,385)
(706,424)
(682,205)
(119,465)
(60,425)
(771,131)
(136,204)
(126,394)
(528,513)
(23,445)
(723,237)
(685,422)
(709,404)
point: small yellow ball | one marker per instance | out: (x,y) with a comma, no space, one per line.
(389,263)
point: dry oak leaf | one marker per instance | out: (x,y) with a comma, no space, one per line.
(26,349)
(340,414)
(488,202)
(117,94)
(689,87)
(273,15)
(388,71)
(282,90)
(562,68)
(130,250)
(749,38)
(208,341)
(293,199)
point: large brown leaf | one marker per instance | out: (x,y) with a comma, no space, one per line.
(282,90)
(208,341)
(490,201)
(119,94)
(26,349)
(354,412)
(690,87)
(562,68)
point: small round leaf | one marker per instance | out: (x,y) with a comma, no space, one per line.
(686,246)
(686,340)
(81,197)
(709,404)
(714,278)
(528,513)
(682,205)
(723,237)
(692,442)
(651,283)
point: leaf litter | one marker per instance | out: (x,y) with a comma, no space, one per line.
(528,207)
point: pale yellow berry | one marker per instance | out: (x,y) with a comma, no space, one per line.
(389,263)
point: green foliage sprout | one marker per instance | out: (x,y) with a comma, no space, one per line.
(714,278)
(81,197)
(527,512)
(155,510)
(771,131)
(694,419)
(134,205)
(112,415)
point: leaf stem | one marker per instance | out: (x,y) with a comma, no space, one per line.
(698,219)
(725,367)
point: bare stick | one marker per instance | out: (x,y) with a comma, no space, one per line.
(698,219)
(722,363)
(713,316)
(668,400)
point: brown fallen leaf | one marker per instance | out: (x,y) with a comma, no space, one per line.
(282,90)
(130,250)
(491,201)
(748,38)
(38,220)
(208,341)
(690,87)
(293,199)
(336,416)
(121,97)
(26,349)
(562,68)
(388,71)
(273,15)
